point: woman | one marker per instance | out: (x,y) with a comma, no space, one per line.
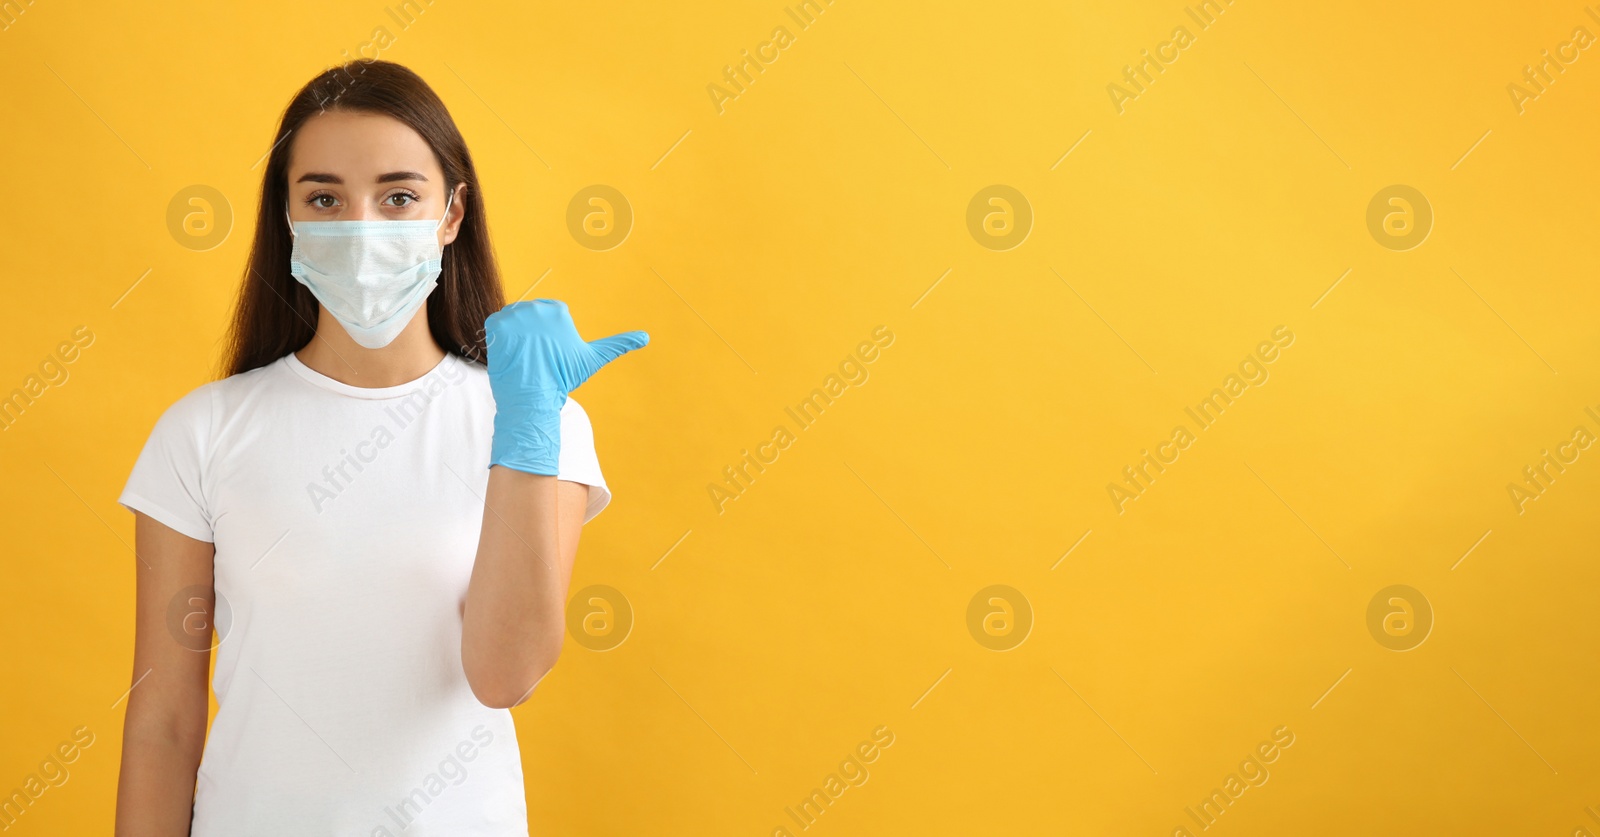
(383,528)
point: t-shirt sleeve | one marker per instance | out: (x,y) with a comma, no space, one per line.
(168,477)
(578,461)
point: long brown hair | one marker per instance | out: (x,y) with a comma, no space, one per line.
(275,314)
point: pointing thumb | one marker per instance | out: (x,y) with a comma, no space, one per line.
(617,345)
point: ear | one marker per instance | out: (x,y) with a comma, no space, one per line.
(458,212)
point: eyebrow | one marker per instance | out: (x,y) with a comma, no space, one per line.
(324,177)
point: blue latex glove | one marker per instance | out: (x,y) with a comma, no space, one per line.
(535,358)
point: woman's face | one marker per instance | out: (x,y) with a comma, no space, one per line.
(351,166)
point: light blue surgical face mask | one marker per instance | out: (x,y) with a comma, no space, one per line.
(372,276)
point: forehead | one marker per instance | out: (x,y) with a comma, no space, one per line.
(359,146)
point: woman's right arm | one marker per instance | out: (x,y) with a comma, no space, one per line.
(165,726)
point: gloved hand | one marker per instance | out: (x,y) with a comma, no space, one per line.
(535,358)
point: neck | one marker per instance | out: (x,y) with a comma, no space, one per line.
(332,352)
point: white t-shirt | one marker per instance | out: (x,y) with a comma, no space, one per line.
(346,524)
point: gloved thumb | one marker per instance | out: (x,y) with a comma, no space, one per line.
(617,345)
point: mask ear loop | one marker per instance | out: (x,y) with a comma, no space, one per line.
(446,214)
(442,218)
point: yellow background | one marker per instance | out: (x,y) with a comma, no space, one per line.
(774,237)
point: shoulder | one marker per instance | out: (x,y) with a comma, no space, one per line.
(471,367)
(197,409)
(575,420)
(580,462)
(193,405)
(192,414)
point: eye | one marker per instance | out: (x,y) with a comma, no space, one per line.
(313,199)
(408,198)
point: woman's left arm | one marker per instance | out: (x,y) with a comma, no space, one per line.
(515,613)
